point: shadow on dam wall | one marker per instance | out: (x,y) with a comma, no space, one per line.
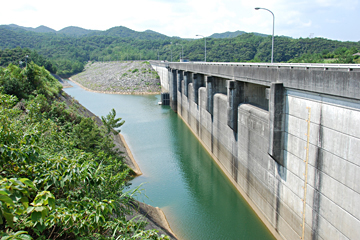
(228,216)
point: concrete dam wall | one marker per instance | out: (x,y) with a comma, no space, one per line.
(287,136)
(164,77)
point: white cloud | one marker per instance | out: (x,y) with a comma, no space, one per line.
(25,8)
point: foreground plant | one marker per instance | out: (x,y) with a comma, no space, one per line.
(111,122)
(59,175)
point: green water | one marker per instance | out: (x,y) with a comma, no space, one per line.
(179,176)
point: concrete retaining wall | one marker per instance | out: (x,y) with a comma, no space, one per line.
(264,153)
(164,76)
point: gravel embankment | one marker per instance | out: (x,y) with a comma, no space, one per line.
(130,77)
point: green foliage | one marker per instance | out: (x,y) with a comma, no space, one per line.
(18,56)
(339,55)
(60,177)
(110,122)
(30,80)
(19,235)
(87,134)
(155,74)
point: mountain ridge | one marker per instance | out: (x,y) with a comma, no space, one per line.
(229,34)
(75,31)
(117,31)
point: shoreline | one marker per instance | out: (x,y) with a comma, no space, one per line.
(161,217)
(151,213)
(165,222)
(107,92)
(137,169)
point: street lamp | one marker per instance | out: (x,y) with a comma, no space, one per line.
(205,44)
(272,45)
(182,50)
(171,50)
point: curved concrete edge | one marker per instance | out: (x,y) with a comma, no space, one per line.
(107,92)
(128,151)
(238,188)
(154,217)
(161,215)
(164,221)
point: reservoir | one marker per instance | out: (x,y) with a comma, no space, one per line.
(179,176)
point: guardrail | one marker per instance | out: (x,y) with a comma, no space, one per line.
(349,67)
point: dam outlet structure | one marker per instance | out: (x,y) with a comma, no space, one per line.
(286,135)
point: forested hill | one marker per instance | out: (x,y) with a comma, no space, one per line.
(70,48)
(233,34)
(74,31)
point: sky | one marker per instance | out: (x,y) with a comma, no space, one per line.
(331,19)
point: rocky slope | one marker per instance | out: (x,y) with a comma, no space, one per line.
(130,77)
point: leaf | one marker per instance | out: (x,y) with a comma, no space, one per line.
(39,209)
(25,202)
(6,199)
(44,213)
(30,209)
(20,232)
(4,192)
(9,218)
(35,216)
(51,202)
(28,183)
(41,227)
(25,237)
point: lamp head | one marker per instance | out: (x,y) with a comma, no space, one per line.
(257,8)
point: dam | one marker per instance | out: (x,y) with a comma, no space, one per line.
(285,135)
(179,175)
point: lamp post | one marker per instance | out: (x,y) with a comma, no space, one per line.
(171,51)
(182,50)
(205,44)
(272,45)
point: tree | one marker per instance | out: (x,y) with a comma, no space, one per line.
(111,122)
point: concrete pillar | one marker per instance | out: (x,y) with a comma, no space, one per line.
(196,86)
(210,94)
(180,77)
(173,89)
(187,80)
(235,94)
(277,122)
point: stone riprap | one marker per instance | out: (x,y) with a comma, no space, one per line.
(130,77)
